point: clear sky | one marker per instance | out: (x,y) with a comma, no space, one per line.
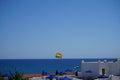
(76,28)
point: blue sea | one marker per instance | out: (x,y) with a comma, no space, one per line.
(36,66)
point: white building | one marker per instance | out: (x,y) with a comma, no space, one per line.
(94,69)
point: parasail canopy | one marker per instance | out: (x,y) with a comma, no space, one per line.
(58,55)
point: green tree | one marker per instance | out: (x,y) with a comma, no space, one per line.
(16,75)
(1,77)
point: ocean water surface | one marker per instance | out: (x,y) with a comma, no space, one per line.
(36,66)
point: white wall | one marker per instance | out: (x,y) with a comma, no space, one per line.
(90,66)
(104,65)
(115,68)
(96,67)
(110,68)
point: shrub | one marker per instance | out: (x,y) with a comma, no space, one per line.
(1,77)
(16,75)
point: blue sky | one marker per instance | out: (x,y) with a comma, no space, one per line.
(76,28)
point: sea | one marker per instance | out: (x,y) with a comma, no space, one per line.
(37,66)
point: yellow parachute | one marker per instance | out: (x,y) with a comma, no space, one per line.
(58,55)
